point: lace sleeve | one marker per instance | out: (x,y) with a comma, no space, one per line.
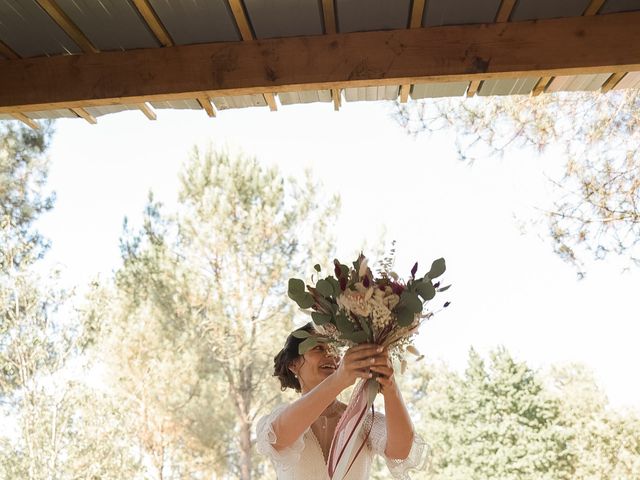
(418,456)
(266,438)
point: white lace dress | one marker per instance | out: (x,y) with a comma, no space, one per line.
(303,460)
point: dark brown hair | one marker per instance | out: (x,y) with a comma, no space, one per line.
(287,356)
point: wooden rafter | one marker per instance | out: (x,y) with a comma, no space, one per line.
(612,81)
(81,112)
(504,13)
(26,120)
(242,21)
(153,21)
(147,110)
(62,19)
(415,21)
(541,86)
(7,52)
(565,46)
(205,103)
(331,28)
(240,16)
(593,7)
(473,87)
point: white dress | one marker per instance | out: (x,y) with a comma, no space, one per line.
(303,460)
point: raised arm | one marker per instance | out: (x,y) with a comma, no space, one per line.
(294,420)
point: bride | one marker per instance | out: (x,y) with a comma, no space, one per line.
(297,437)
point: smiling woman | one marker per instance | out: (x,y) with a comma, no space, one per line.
(297,437)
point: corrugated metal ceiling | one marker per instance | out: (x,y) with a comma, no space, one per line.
(273,18)
(459,12)
(364,15)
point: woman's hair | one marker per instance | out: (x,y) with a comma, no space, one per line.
(285,357)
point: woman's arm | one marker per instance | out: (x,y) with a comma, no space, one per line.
(297,417)
(398,423)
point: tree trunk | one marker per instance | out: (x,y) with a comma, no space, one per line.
(245,451)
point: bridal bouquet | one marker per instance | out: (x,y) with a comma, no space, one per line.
(351,307)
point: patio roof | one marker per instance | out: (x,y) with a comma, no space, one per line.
(87,58)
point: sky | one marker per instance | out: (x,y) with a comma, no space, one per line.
(508,288)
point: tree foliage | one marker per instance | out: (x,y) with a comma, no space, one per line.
(597,207)
(199,307)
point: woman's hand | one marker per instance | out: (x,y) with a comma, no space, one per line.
(358,363)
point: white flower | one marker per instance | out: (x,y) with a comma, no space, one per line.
(362,271)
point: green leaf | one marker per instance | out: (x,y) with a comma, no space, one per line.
(324,288)
(305,300)
(317,267)
(356,337)
(335,285)
(343,323)
(444,289)
(300,334)
(437,268)
(405,317)
(320,318)
(425,289)
(411,302)
(307,345)
(365,326)
(295,286)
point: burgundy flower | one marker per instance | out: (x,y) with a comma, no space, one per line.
(414,270)
(337,270)
(343,283)
(365,281)
(397,288)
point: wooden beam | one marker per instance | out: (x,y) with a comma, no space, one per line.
(62,19)
(237,8)
(506,7)
(271,101)
(612,81)
(26,120)
(153,21)
(205,103)
(415,21)
(541,86)
(593,7)
(474,86)
(335,96)
(7,52)
(147,110)
(561,46)
(81,112)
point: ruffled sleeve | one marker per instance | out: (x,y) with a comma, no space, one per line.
(266,438)
(418,456)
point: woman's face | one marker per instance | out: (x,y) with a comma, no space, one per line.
(314,366)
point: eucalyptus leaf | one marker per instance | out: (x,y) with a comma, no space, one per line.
(405,317)
(317,267)
(365,326)
(324,288)
(307,345)
(438,267)
(295,286)
(305,301)
(444,289)
(356,337)
(411,302)
(425,289)
(320,318)
(301,334)
(335,285)
(343,323)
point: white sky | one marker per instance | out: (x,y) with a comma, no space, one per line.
(508,288)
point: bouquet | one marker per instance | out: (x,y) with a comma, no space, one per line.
(352,307)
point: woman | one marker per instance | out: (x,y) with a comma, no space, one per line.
(297,437)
